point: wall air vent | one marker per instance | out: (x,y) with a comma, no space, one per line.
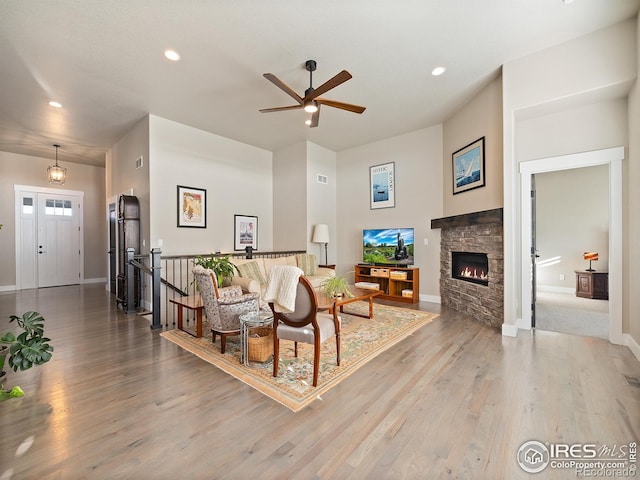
(322,179)
(139,162)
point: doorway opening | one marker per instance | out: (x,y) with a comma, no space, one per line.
(612,157)
(570,216)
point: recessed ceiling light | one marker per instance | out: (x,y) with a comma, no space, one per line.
(567,1)
(55,104)
(436,72)
(172,55)
(307,122)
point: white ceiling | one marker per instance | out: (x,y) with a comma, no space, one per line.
(103,60)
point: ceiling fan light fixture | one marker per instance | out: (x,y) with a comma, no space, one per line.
(57,174)
(310,106)
(307,121)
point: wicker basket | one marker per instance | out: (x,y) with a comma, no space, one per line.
(260,347)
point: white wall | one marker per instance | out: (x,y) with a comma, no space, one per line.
(631,170)
(418,172)
(570,129)
(598,66)
(125,178)
(290,197)
(480,117)
(321,199)
(236,176)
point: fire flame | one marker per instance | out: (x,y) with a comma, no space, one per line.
(468,273)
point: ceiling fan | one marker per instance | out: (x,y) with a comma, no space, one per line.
(311,101)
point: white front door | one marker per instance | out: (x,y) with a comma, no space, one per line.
(58,246)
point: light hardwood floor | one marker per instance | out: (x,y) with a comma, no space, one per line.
(454,400)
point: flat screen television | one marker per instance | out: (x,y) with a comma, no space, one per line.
(388,246)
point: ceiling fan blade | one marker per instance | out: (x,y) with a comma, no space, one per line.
(342,105)
(282,86)
(315,118)
(280,109)
(340,78)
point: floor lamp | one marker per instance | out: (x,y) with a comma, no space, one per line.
(321,235)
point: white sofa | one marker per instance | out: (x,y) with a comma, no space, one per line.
(254,272)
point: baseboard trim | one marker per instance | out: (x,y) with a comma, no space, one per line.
(95,280)
(7,288)
(509,330)
(552,289)
(431,298)
(630,342)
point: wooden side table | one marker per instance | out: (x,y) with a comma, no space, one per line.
(592,284)
(192,302)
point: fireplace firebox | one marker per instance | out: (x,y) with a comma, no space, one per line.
(470,267)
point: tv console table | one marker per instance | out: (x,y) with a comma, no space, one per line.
(401,284)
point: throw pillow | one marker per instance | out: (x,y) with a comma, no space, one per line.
(228,292)
(252,270)
(280,261)
(308,263)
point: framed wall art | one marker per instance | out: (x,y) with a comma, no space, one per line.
(382,183)
(468,167)
(192,207)
(245,232)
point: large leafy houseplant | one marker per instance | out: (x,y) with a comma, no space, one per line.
(222,266)
(30,347)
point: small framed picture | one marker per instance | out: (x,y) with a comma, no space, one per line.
(192,207)
(382,186)
(245,232)
(468,167)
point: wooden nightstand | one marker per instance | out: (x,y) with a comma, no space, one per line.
(592,284)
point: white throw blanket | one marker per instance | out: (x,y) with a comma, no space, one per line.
(282,286)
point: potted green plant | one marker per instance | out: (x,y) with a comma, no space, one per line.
(336,287)
(222,266)
(24,351)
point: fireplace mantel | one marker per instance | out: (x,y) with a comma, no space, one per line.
(468,219)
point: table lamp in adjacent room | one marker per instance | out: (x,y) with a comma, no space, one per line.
(591,256)
(321,235)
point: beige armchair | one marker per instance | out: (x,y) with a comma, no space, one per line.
(223,306)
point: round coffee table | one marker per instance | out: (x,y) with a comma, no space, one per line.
(262,318)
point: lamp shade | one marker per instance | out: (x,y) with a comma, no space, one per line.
(321,233)
(590,255)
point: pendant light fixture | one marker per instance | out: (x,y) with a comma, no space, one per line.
(57,175)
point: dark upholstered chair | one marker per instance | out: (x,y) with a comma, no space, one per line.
(223,306)
(305,324)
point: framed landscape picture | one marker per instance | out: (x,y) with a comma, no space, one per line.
(192,207)
(245,232)
(468,167)
(382,186)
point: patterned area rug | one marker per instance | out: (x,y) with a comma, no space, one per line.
(361,340)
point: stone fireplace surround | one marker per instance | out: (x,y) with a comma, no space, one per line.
(479,232)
